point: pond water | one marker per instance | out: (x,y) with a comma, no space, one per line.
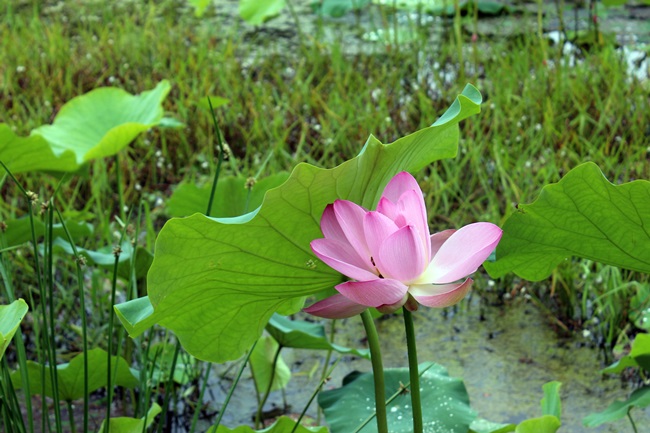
(504,354)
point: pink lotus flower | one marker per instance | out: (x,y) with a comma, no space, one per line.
(391,256)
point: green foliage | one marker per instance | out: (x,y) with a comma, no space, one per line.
(257,12)
(639,356)
(338,8)
(95,125)
(305,335)
(445,400)
(10,317)
(282,425)
(639,398)
(232,198)
(71,375)
(199,6)
(483,426)
(262,364)
(551,402)
(583,215)
(131,425)
(19,230)
(229,267)
(543,424)
(162,356)
(105,257)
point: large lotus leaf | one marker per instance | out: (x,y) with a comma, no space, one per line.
(131,425)
(543,424)
(282,425)
(216,282)
(71,375)
(231,198)
(257,12)
(97,124)
(19,230)
(10,317)
(640,398)
(306,335)
(445,402)
(261,362)
(583,215)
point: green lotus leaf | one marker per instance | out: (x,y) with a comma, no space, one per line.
(639,356)
(258,12)
(484,426)
(306,335)
(551,402)
(282,425)
(19,231)
(71,375)
(640,398)
(106,257)
(543,424)
(10,317)
(583,215)
(95,125)
(445,399)
(132,425)
(217,281)
(231,198)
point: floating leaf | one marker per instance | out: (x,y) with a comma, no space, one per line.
(95,125)
(231,198)
(484,426)
(261,362)
(282,425)
(131,425)
(216,282)
(10,317)
(640,398)
(583,215)
(305,335)
(71,375)
(544,424)
(445,400)
(257,12)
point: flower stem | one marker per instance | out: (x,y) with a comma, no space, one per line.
(377,371)
(413,371)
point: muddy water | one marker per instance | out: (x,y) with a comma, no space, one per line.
(504,354)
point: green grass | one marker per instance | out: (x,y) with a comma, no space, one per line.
(318,106)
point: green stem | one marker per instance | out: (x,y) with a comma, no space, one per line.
(120,192)
(84,324)
(377,371)
(632,422)
(324,379)
(413,371)
(73,428)
(260,406)
(232,389)
(195,418)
